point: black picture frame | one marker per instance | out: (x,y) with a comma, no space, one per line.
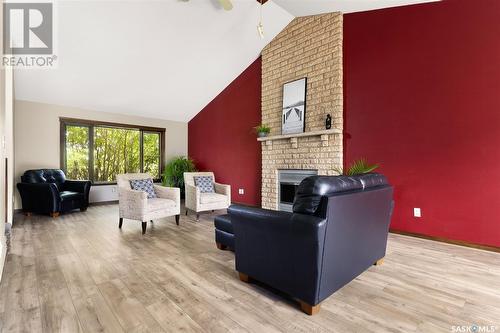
(294,106)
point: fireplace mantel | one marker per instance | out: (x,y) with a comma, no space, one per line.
(293,137)
(301,135)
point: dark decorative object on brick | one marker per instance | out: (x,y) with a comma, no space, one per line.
(328,121)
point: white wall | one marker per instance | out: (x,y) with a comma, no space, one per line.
(37,138)
(8,148)
(6,152)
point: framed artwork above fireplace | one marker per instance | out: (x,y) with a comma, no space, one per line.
(294,107)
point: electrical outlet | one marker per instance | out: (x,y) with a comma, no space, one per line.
(241,191)
(113,189)
(417,212)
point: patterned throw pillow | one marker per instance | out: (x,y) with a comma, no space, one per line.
(204,183)
(145,185)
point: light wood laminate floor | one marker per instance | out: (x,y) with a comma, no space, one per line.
(79,272)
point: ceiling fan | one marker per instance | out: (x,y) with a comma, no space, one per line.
(226,4)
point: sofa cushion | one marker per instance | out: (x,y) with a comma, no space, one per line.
(207,198)
(70,195)
(204,183)
(54,176)
(145,185)
(312,189)
(44,176)
(33,176)
(156,204)
(369,180)
(223,222)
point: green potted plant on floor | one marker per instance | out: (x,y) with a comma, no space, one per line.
(173,174)
(262,130)
(358,167)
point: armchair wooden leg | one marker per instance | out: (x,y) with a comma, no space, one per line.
(379,262)
(83,209)
(54,214)
(144,226)
(120,222)
(244,277)
(186,212)
(28,214)
(221,247)
(177,217)
(197,217)
(310,309)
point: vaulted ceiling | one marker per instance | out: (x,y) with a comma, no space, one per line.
(312,7)
(162,59)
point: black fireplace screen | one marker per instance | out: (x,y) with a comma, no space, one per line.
(287,192)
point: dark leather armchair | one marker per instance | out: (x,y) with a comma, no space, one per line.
(338,229)
(46,191)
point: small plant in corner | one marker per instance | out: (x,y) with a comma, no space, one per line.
(262,130)
(173,175)
(357,167)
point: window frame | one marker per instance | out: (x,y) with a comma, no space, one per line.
(91,124)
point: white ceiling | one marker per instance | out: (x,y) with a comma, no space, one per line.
(164,59)
(312,7)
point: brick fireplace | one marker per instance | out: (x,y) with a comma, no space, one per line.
(309,47)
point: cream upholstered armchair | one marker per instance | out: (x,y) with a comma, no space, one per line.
(199,201)
(135,205)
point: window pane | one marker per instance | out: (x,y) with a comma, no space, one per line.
(151,155)
(77,152)
(116,150)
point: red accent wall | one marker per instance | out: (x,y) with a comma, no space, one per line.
(422,97)
(221,137)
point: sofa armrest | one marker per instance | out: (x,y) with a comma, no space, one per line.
(77,185)
(223,189)
(192,197)
(132,203)
(172,193)
(280,246)
(39,197)
(80,186)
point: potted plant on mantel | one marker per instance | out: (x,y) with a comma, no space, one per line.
(262,130)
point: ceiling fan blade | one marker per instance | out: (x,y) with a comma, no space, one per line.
(226,4)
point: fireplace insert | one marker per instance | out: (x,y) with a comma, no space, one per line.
(289,181)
